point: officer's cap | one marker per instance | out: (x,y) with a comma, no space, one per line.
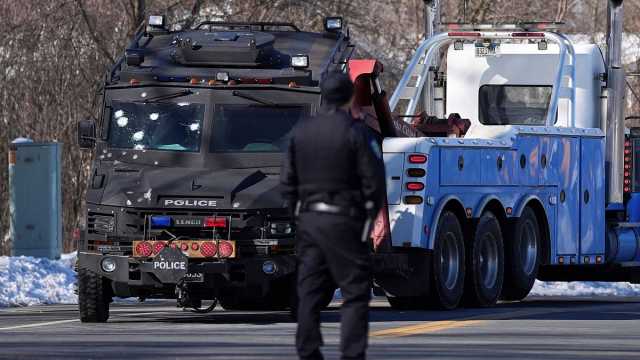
(337,89)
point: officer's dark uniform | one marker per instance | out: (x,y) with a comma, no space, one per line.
(333,168)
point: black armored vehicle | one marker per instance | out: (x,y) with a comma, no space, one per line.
(183,199)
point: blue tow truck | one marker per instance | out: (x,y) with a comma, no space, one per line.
(532,175)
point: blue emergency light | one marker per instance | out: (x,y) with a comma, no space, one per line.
(160,221)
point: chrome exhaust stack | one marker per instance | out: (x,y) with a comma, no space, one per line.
(616,104)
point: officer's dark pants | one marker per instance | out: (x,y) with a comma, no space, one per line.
(330,252)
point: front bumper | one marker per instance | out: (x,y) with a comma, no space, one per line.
(132,277)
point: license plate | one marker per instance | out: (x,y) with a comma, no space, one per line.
(485,51)
(194,277)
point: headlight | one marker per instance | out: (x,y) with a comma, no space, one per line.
(108,265)
(281,228)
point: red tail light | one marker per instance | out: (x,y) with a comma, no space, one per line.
(144,249)
(195,246)
(158,246)
(225,249)
(184,246)
(208,249)
(417,158)
(415,186)
(215,222)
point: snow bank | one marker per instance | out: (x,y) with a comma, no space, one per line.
(587,288)
(28,281)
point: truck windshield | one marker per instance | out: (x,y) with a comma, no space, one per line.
(156,126)
(254,128)
(514,104)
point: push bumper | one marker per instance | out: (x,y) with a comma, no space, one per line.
(130,272)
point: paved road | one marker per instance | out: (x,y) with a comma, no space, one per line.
(549,328)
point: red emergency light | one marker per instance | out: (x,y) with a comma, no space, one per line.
(215,222)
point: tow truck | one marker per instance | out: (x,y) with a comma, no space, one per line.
(183,200)
(532,175)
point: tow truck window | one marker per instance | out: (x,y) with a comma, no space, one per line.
(514,104)
(254,128)
(156,126)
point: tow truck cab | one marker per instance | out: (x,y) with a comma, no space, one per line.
(188,151)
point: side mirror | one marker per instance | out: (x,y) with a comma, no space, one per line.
(86,134)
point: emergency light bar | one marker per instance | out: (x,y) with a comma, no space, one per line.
(521,26)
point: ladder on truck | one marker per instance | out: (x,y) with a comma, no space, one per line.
(412,84)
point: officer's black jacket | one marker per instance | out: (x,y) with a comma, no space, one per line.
(333,158)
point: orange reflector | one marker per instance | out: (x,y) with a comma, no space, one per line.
(598,259)
(413,200)
(561,260)
(469,212)
(293,84)
(509,211)
(212,82)
(415,172)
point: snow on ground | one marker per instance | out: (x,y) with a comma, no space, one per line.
(26,281)
(589,288)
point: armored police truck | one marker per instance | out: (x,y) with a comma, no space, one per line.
(182,199)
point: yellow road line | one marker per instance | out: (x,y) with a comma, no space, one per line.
(433,326)
(425,328)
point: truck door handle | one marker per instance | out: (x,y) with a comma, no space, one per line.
(395,178)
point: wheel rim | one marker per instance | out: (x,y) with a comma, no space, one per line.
(489,261)
(450,261)
(528,248)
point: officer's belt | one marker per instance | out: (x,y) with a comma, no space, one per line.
(323,207)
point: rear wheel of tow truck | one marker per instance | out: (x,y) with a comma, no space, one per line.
(94,296)
(522,257)
(448,273)
(485,263)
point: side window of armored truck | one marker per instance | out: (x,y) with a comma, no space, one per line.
(254,128)
(514,104)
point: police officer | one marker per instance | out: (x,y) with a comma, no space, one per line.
(334,175)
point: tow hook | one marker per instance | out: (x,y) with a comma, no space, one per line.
(186,302)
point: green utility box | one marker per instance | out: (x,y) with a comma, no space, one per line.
(36,199)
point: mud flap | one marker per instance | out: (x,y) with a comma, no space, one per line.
(403,273)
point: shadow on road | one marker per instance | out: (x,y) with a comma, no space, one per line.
(531,309)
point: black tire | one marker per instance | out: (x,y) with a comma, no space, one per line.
(522,257)
(448,271)
(485,263)
(94,296)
